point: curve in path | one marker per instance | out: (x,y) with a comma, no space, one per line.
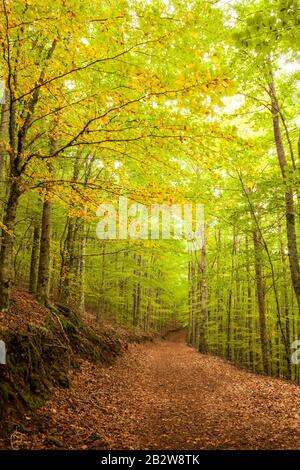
(165,395)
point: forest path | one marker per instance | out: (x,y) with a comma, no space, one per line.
(165,395)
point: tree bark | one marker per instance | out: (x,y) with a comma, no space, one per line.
(202,343)
(230,295)
(190,302)
(67,262)
(102,303)
(249,321)
(82,248)
(286,304)
(4,121)
(44,259)
(34,259)
(289,195)
(260,293)
(7,243)
(137,296)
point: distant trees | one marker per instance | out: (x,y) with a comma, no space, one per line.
(260,316)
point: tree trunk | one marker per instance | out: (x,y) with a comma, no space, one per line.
(34,259)
(67,253)
(44,259)
(286,304)
(249,321)
(102,303)
(82,268)
(288,197)
(230,292)
(67,262)
(202,343)
(137,297)
(260,293)
(6,253)
(190,302)
(4,121)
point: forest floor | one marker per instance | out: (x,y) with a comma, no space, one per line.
(165,395)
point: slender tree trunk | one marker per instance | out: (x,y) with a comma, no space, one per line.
(44,259)
(67,253)
(4,121)
(102,304)
(230,292)
(249,308)
(289,195)
(9,218)
(7,243)
(34,259)
(202,342)
(286,304)
(260,292)
(238,317)
(82,249)
(190,303)
(43,285)
(67,259)
(137,296)
(219,296)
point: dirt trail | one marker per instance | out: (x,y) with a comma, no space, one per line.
(165,395)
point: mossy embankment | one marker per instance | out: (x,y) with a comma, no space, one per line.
(42,346)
